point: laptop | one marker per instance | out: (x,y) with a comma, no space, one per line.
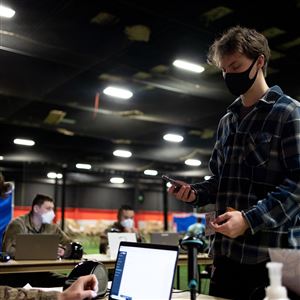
(167,238)
(144,272)
(36,246)
(114,239)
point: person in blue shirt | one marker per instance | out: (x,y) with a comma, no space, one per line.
(256,169)
(196,229)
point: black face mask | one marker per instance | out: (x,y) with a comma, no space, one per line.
(239,83)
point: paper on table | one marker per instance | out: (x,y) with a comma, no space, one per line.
(291,267)
(52,289)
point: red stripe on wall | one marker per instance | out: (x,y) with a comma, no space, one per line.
(97,214)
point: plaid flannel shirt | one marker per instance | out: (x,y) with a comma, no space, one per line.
(256,169)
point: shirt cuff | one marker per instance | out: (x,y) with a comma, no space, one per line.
(254,219)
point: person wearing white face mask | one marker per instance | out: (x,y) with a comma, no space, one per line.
(128,224)
(85,287)
(125,223)
(48,217)
(37,221)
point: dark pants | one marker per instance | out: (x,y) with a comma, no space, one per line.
(35,279)
(237,281)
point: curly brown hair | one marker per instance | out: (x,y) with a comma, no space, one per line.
(239,39)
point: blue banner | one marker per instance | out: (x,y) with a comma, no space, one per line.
(182,223)
(6,211)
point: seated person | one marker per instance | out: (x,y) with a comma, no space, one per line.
(37,221)
(125,223)
(197,229)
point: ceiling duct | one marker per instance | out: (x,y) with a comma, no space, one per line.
(54,117)
(65,131)
(105,18)
(140,33)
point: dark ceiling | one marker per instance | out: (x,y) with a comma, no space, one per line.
(61,54)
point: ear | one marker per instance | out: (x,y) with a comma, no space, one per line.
(261,61)
(35,208)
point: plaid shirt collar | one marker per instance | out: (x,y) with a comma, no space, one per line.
(269,98)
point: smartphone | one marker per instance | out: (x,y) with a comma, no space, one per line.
(173,182)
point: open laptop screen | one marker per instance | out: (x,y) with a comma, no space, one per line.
(144,271)
(165,238)
(114,239)
(36,246)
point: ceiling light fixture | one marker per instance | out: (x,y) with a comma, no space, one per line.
(1,157)
(193,162)
(117,180)
(188,66)
(6,12)
(53,175)
(174,138)
(150,172)
(24,142)
(83,166)
(117,92)
(122,153)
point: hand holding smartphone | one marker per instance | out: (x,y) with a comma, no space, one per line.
(176,184)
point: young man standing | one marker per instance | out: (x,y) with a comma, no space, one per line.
(256,169)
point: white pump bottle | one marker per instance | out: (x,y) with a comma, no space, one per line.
(275,291)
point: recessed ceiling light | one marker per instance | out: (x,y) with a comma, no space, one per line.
(150,172)
(6,12)
(122,153)
(53,175)
(193,162)
(24,142)
(1,157)
(117,180)
(207,177)
(117,92)
(174,138)
(83,166)
(188,66)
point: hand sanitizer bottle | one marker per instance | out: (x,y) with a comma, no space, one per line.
(275,291)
